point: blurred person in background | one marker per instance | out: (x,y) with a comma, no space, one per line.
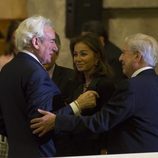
(10,50)
(8,55)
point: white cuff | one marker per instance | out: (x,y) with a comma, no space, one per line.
(75,109)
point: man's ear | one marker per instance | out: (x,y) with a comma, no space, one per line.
(138,56)
(35,42)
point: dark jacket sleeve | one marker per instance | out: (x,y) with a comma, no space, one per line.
(117,109)
(67,110)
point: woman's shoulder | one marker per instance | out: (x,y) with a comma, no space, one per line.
(4,59)
(103,80)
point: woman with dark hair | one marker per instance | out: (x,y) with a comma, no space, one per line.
(91,69)
(94,74)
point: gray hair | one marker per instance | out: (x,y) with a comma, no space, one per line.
(29,28)
(144,44)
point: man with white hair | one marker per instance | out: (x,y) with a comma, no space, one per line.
(26,86)
(131,115)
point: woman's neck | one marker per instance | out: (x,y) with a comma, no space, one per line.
(88,80)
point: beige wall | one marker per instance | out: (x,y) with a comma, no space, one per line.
(126,18)
(130,3)
(123,19)
(13,9)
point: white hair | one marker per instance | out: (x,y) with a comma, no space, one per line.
(144,44)
(29,28)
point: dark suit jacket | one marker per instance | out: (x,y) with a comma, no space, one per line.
(25,87)
(130,116)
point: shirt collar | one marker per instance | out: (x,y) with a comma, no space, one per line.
(31,54)
(140,70)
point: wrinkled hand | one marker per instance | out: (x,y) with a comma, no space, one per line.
(43,124)
(87,99)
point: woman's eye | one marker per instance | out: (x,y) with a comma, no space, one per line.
(83,53)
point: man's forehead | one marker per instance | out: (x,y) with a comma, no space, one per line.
(49,32)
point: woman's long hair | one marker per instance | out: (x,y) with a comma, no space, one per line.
(102,68)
